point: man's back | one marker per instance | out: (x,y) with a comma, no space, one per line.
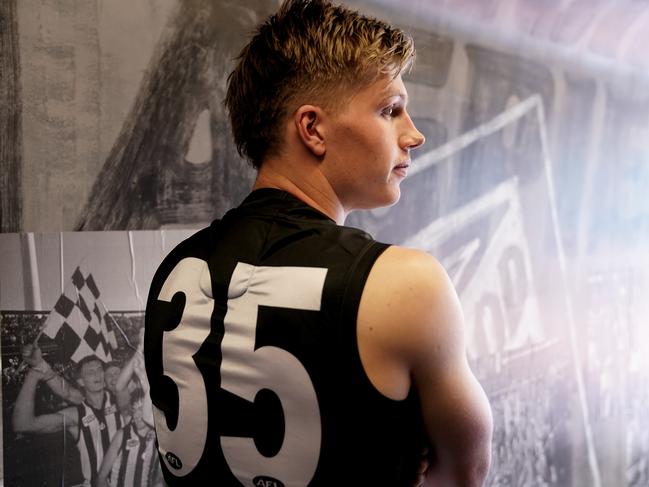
(283,348)
(286,395)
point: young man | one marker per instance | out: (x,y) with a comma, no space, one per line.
(282,348)
(92,423)
(131,459)
(111,373)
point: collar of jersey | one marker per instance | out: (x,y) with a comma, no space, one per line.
(272,200)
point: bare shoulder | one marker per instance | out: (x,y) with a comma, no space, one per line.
(413,287)
(395,258)
(413,268)
(409,316)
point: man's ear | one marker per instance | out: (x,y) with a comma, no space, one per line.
(308,122)
(80,382)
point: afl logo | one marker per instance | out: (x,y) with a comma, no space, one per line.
(173,461)
(263,481)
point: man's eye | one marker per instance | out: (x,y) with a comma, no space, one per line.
(391,111)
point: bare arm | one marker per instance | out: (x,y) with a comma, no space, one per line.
(58,385)
(122,392)
(126,373)
(24,419)
(411,331)
(136,366)
(147,405)
(109,459)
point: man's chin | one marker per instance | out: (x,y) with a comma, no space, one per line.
(385,200)
(391,199)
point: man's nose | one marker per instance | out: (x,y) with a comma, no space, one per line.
(412,138)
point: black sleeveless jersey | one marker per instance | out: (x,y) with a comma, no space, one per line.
(252,356)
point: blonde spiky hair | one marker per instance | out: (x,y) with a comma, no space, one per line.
(310,51)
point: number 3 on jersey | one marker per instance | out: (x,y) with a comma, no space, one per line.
(274,369)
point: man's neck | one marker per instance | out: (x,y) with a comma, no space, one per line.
(95,399)
(310,187)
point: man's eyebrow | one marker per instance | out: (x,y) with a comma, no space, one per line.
(398,94)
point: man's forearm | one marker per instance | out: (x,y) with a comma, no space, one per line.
(126,373)
(58,385)
(23,415)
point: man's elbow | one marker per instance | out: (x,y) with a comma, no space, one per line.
(482,457)
(473,468)
(472,474)
(480,472)
(22,425)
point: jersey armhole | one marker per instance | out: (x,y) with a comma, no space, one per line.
(355,278)
(354,284)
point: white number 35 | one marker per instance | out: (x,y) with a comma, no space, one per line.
(274,369)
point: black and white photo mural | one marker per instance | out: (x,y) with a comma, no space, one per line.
(70,296)
(532,190)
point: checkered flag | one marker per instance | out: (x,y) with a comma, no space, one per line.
(79,322)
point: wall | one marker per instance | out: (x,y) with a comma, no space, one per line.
(530,189)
